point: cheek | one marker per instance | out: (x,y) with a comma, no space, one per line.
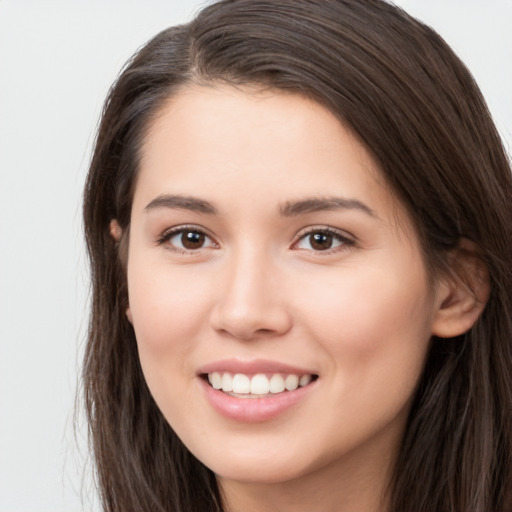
(168,310)
(374,330)
(166,306)
(371,320)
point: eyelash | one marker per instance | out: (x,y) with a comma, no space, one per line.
(345,241)
(171,233)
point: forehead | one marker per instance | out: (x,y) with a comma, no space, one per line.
(255,144)
(221,115)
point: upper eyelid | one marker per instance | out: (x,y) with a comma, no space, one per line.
(183,227)
(348,241)
(327,229)
(303,232)
(174,230)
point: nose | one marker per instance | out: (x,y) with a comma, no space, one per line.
(250,300)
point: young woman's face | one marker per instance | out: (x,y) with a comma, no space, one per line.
(265,250)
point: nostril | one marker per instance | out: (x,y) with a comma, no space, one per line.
(265,332)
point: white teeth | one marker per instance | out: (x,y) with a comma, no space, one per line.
(215,380)
(304,380)
(257,385)
(291,382)
(241,383)
(227,382)
(260,385)
(276,383)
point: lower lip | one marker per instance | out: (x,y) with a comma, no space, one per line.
(254,410)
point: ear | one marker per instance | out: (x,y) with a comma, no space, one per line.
(115,230)
(116,233)
(462,295)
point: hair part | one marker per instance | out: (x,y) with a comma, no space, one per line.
(396,84)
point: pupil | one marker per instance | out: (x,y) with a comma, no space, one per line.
(192,240)
(321,241)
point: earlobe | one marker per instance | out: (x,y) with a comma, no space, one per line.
(115,230)
(462,297)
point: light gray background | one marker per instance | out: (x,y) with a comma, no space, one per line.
(57,60)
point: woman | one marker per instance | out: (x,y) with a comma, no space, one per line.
(298,220)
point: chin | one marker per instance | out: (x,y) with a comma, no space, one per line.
(253,463)
(265,473)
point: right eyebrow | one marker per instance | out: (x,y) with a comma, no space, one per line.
(182,203)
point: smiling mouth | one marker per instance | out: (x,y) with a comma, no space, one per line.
(260,385)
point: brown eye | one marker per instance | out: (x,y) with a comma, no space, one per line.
(320,241)
(187,239)
(192,240)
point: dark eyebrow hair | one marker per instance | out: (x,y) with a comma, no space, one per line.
(182,203)
(316,204)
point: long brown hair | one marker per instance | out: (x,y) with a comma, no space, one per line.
(400,88)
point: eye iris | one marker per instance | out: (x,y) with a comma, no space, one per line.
(192,239)
(320,241)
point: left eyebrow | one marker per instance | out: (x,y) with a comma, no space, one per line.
(317,204)
(182,203)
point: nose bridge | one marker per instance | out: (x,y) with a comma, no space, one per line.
(250,300)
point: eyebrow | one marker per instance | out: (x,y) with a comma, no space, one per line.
(182,203)
(316,204)
(288,209)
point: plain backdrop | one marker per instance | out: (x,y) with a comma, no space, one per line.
(57,60)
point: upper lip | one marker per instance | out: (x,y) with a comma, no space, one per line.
(253,366)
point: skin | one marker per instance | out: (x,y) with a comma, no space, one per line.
(359,315)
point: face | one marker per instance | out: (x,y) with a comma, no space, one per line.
(276,287)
